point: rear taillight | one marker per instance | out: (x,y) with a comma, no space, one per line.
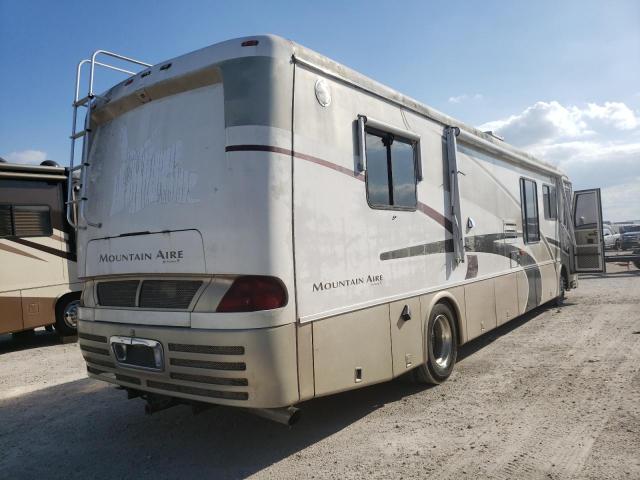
(252,293)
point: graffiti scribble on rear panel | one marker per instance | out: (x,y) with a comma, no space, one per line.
(151,175)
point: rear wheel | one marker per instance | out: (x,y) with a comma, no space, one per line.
(67,315)
(440,345)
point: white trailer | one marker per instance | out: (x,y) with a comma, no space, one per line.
(38,282)
(260,225)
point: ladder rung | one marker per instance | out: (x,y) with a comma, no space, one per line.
(81,133)
(72,202)
(82,101)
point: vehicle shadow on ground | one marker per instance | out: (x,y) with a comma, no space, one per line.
(38,339)
(89,429)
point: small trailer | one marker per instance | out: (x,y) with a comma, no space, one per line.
(260,225)
(38,282)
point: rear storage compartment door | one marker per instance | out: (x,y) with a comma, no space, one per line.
(587,219)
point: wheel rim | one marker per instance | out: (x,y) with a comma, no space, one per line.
(70,314)
(441,341)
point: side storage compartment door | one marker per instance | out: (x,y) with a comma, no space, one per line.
(406,334)
(587,221)
(10,312)
(352,350)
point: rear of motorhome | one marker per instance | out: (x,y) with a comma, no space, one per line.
(260,225)
(38,282)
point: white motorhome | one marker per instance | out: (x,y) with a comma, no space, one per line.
(260,225)
(38,282)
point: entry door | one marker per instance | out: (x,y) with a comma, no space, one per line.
(587,220)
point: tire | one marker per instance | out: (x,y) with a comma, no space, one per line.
(637,264)
(67,315)
(440,346)
(562,290)
(617,245)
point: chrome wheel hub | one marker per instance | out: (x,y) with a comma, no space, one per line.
(70,314)
(441,341)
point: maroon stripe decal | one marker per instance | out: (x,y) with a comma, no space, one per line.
(435,215)
(426,209)
(43,248)
(303,156)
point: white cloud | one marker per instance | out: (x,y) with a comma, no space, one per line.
(549,122)
(596,145)
(26,156)
(466,97)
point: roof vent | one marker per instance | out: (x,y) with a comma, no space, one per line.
(49,163)
(494,135)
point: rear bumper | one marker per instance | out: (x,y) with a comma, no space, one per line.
(259,372)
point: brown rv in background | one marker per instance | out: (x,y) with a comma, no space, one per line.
(38,282)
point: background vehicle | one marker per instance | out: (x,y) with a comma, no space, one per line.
(253,241)
(629,236)
(38,282)
(611,237)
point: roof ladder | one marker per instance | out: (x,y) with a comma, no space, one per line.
(76,216)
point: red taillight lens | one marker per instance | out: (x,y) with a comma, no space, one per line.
(251,293)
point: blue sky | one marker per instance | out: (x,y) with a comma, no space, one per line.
(559,78)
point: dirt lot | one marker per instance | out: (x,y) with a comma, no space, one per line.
(555,394)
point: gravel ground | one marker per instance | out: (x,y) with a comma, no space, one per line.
(554,394)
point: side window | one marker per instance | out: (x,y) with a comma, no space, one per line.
(391,171)
(6,225)
(529,201)
(549,202)
(25,221)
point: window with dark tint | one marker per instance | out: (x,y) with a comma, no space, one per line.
(6,226)
(529,198)
(549,202)
(25,221)
(391,171)
(586,210)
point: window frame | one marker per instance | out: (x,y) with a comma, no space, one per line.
(546,203)
(415,146)
(523,208)
(11,206)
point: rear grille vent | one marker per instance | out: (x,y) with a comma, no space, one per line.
(127,378)
(118,294)
(102,363)
(168,293)
(95,371)
(198,391)
(235,382)
(206,349)
(93,338)
(99,351)
(183,362)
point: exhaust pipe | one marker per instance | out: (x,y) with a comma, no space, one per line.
(286,415)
